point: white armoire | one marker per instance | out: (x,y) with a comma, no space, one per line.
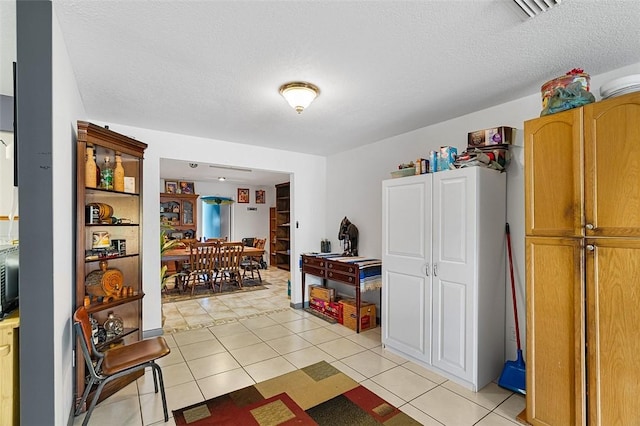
(443,268)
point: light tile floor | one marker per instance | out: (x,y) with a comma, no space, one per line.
(223,343)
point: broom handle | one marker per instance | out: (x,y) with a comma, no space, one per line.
(513,287)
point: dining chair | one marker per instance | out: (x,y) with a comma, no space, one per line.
(228,261)
(202,264)
(104,367)
(252,264)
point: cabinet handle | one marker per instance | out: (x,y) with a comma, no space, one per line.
(426,269)
(589,226)
(435,269)
(590,247)
(4,350)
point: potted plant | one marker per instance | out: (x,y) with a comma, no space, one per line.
(167,244)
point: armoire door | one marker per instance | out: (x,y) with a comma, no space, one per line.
(612,170)
(555,331)
(554,175)
(613,314)
(453,243)
(406,254)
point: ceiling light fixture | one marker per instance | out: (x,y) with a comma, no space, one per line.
(193,165)
(222,178)
(534,7)
(299,94)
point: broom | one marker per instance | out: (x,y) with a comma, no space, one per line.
(513,374)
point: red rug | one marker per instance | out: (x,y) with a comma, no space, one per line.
(315,395)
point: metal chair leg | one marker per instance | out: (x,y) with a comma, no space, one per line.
(162,394)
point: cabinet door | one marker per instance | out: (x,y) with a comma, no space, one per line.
(406,258)
(613,294)
(554,175)
(187,212)
(454,230)
(612,172)
(555,331)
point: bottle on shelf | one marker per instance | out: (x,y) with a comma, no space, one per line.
(90,169)
(118,174)
(107,174)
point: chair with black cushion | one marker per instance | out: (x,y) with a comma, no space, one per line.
(116,362)
(253,264)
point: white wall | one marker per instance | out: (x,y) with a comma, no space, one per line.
(67,109)
(308,184)
(8,193)
(354,181)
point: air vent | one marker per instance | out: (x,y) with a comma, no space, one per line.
(535,7)
(238,169)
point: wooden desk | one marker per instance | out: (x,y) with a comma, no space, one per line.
(10,370)
(182,254)
(335,270)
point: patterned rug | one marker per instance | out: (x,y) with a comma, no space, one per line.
(315,395)
(173,295)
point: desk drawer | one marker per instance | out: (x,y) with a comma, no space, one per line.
(312,261)
(313,271)
(343,278)
(343,267)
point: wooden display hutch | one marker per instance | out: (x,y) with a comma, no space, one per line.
(124,232)
(179,212)
(283,226)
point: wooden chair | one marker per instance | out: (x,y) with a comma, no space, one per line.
(117,362)
(252,264)
(228,263)
(202,264)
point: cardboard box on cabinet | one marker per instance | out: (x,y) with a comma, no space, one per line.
(494,136)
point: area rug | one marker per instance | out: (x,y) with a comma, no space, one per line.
(315,395)
(173,295)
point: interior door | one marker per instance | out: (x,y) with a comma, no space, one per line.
(454,213)
(613,295)
(406,258)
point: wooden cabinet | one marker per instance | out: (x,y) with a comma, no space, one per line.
(443,278)
(283,226)
(179,212)
(582,220)
(115,238)
(10,369)
(273,233)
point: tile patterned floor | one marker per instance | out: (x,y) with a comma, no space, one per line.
(227,342)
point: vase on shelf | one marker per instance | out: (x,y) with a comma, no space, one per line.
(118,174)
(90,169)
(114,325)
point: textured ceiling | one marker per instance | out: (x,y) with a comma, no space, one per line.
(213,68)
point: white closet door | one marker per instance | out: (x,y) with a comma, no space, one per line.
(406,254)
(454,233)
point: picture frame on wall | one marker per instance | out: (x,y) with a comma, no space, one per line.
(186,188)
(243,195)
(259,196)
(170,187)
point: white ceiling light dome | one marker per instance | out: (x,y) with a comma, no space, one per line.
(299,94)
